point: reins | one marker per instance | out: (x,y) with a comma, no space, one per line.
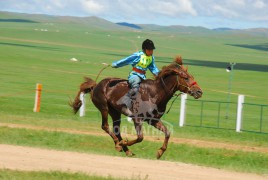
(101,72)
(176,95)
(170,92)
(165,87)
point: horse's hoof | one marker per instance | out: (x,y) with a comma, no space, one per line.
(129,153)
(159,153)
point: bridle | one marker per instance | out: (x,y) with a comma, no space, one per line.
(179,84)
(171,91)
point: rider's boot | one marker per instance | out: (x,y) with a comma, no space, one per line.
(131,95)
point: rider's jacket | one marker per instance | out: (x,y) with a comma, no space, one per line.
(140,62)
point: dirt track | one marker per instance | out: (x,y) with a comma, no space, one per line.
(35,159)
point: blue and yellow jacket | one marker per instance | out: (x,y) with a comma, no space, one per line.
(140,63)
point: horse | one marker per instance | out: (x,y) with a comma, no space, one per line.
(148,106)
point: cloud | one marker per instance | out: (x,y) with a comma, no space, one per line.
(238,9)
(150,11)
(259,4)
(129,9)
(173,8)
(224,11)
(93,7)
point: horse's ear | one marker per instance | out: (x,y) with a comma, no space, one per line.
(184,68)
(178,60)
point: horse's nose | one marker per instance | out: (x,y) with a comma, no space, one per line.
(199,93)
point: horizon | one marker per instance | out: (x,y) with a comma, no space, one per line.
(220,27)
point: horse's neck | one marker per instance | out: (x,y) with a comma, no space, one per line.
(166,89)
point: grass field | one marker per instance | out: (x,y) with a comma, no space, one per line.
(29,55)
(9,174)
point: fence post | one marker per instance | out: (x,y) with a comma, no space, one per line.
(37,101)
(82,108)
(239,112)
(183,109)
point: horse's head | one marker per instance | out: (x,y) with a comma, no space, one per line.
(184,81)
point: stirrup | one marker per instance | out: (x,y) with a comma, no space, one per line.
(133,92)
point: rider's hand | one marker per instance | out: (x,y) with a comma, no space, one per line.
(114,65)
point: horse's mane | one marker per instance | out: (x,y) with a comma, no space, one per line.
(173,68)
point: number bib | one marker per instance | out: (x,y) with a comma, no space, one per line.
(145,61)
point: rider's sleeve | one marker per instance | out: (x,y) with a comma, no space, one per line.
(152,67)
(128,60)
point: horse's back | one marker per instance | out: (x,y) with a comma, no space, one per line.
(112,82)
(108,91)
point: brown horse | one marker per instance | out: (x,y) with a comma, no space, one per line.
(148,106)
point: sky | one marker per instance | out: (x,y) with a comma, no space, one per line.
(237,14)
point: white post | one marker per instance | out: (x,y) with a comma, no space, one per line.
(82,108)
(239,112)
(183,109)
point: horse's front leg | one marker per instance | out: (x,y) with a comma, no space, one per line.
(118,144)
(159,125)
(116,130)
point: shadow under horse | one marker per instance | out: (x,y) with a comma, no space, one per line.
(148,106)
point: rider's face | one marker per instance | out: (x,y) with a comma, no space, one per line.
(149,52)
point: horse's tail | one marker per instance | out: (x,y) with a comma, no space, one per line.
(85,87)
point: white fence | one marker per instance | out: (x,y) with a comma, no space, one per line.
(238,114)
(183,108)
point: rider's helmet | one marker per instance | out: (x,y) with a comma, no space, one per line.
(148,44)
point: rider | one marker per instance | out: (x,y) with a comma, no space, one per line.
(140,62)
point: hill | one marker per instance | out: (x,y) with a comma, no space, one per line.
(100,23)
(92,21)
(129,25)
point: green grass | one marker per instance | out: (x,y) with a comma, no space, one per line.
(32,175)
(213,157)
(28,57)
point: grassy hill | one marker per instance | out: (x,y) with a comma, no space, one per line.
(90,22)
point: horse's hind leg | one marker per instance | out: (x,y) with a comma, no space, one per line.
(105,126)
(159,125)
(116,130)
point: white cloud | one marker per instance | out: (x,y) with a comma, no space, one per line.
(259,4)
(173,8)
(150,11)
(188,7)
(224,11)
(238,9)
(236,3)
(92,6)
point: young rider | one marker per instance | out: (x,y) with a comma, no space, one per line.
(140,62)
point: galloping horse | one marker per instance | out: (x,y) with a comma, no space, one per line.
(148,106)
